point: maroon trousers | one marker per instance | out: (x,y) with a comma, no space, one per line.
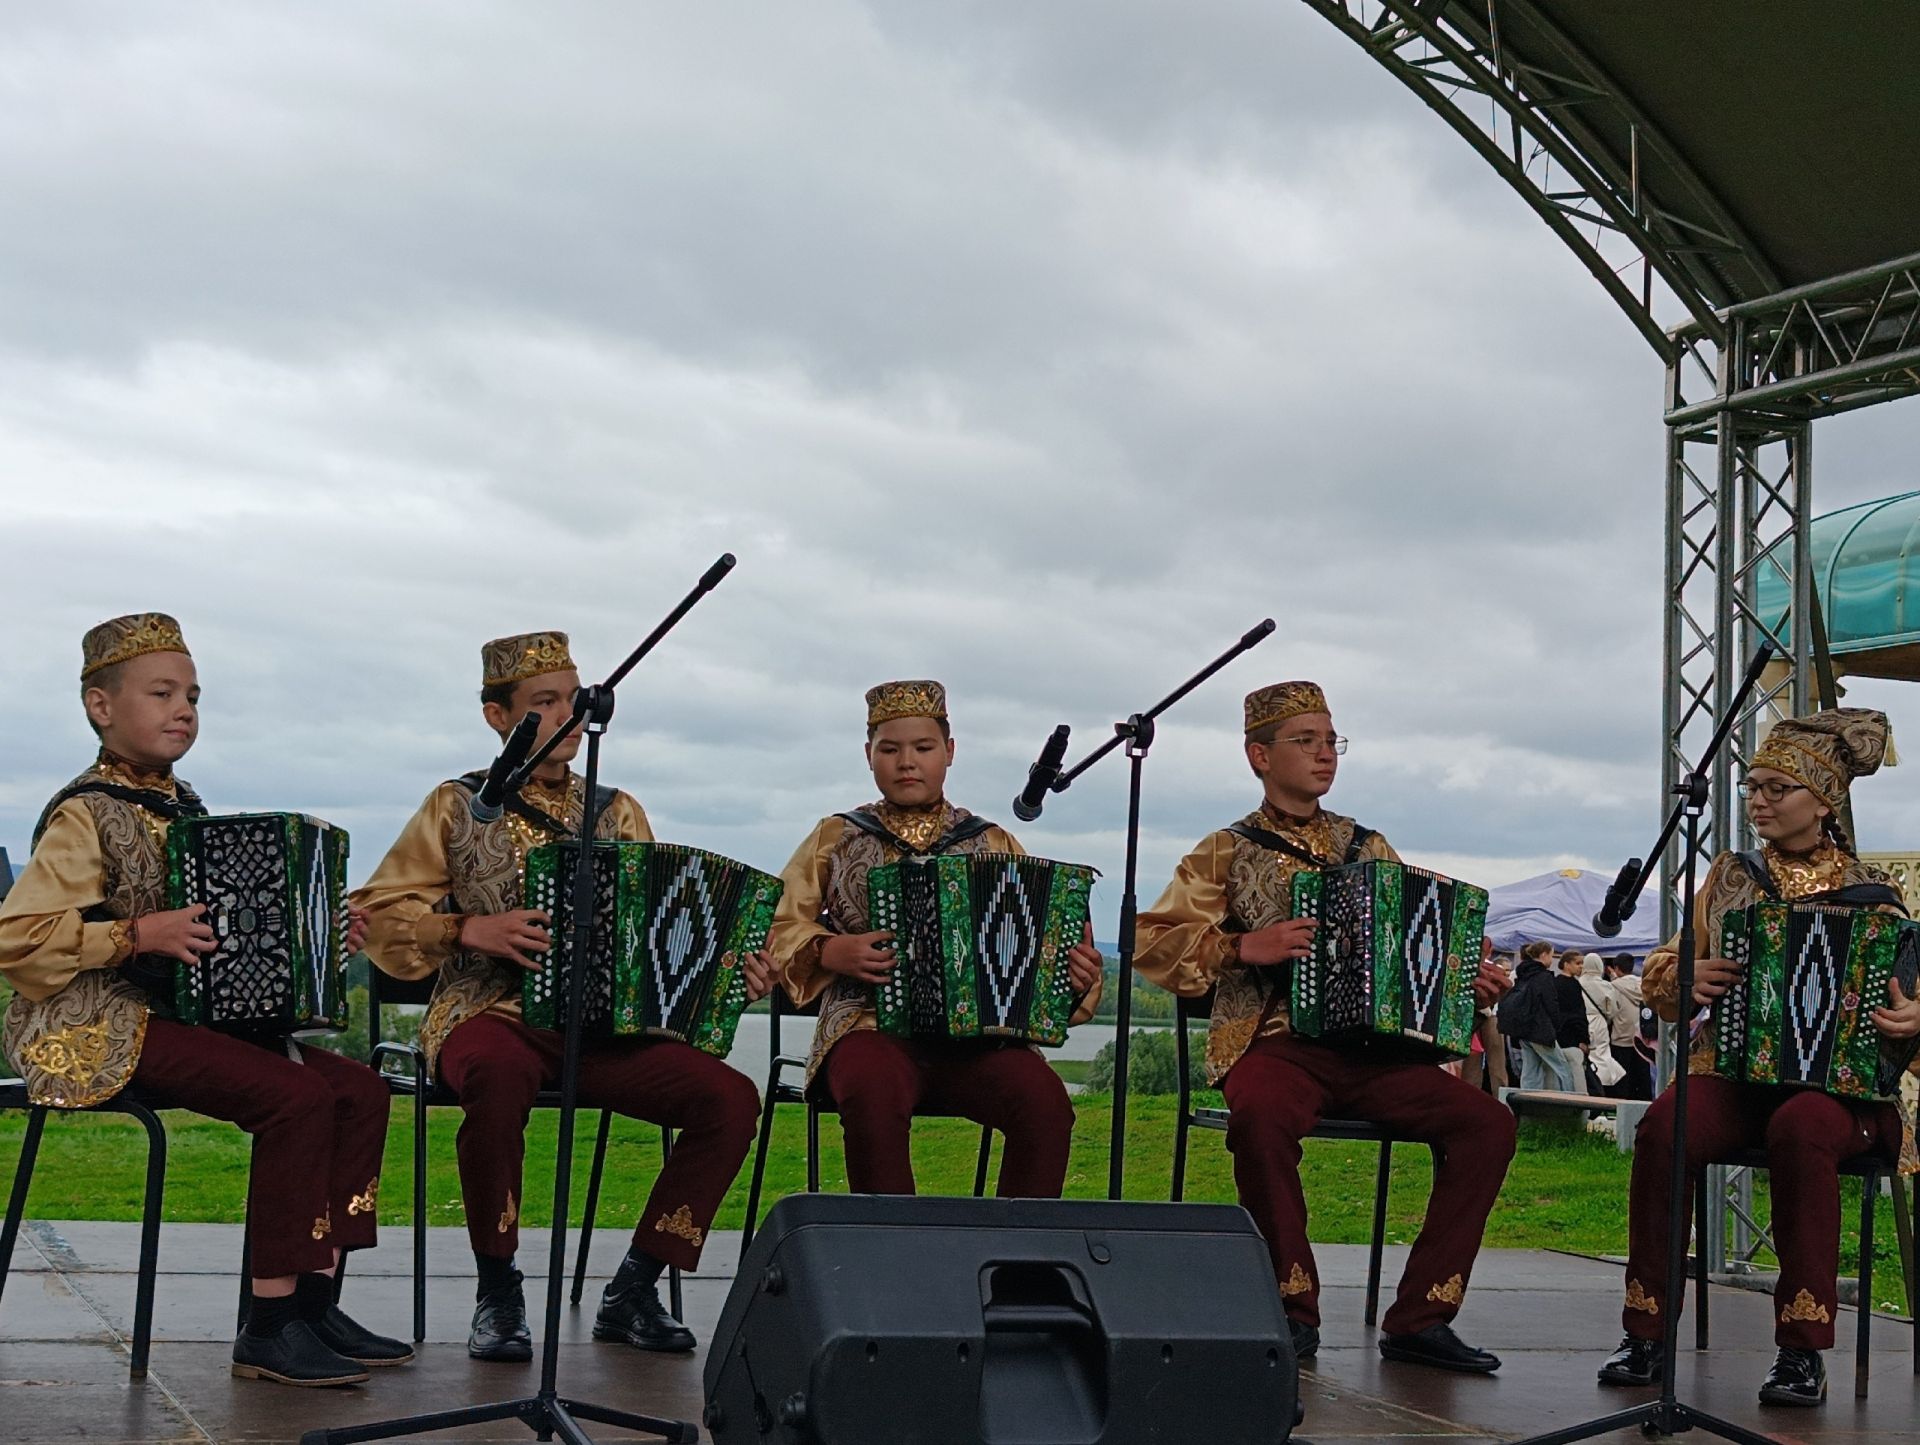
(497,1065)
(1284,1085)
(319,1129)
(878,1082)
(1807,1135)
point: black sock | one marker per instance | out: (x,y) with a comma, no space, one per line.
(496,1274)
(313,1295)
(267,1317)
(638,1268)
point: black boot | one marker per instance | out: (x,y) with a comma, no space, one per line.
(1636,1362)
(630,1310)
(278,1345)
(314,1296)
(1306,1340)
(500,1315)
(1440,1347)
(1798,1377)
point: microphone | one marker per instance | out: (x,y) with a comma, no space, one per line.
(1606,923)
(487,804)
(1041,776)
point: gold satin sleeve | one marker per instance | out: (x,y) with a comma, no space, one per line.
(1182,941)
(44,941)
(799,929)
(407,937)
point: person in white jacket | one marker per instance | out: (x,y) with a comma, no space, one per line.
(1637,1069)
(1605,1010)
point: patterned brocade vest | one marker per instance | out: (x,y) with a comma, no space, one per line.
(487,863)
(80,1047)
(853,857)
(1731,884)
(1247,1001)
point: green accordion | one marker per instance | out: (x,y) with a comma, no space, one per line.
(980,944)
(672,928)
(275,890)
(1396,954)
(1811,976)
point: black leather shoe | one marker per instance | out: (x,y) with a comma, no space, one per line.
(1798,1377)
(1440,1347)
(292,1356)
(500,1325)
(1636,1362)
(1306,1339)
(342,1334)
(636,1316)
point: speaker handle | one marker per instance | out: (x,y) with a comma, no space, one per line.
(1028,1318)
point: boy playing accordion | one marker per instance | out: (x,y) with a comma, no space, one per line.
(1225,926)
(89,944)
(1796,790)
(446,903)
(825,949)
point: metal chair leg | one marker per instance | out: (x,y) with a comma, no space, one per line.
(673,1271)
(1913,1273)
(1374,1251)
(813,1149)
(759,1167)
(1700,1304)
(22,1182)
(1863,1336)
(246,1275)
(149,1237)
(592,1204)
(419,1201)
(980,1169)
(1183,1110)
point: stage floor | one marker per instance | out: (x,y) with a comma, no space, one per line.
(1552,1317)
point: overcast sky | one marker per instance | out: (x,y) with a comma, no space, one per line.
(1039,348)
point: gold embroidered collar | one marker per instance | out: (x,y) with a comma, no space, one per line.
(921,827)
(116,769)
(1798,875)
(1315,833)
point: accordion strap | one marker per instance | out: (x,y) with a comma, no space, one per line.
(1852,895)
(967,828)
(1274,843)
(186,805)
(539,817)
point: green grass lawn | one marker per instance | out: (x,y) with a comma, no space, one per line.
(1563,1192)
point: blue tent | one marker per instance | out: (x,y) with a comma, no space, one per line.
(1559,908)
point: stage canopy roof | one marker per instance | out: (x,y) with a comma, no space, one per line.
(1866,569)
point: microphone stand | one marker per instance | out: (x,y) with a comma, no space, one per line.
(1668,1415)
(1136,734)
(545,1413)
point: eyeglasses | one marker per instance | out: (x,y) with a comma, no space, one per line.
(1310,743)
(1773,792)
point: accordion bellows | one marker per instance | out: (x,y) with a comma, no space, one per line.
(1811,976)
(980,944)
(1396,954)
(275,890)
(672,927)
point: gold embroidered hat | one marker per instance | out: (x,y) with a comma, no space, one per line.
(515,659)
(125,638)
(919,698)
(1269,705)
(1827,750)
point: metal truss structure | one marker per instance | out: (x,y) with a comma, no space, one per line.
(1751,364)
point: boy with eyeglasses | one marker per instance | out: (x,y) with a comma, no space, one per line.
(1224,927)
(1797,790)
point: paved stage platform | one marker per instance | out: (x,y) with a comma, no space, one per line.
(69,1306)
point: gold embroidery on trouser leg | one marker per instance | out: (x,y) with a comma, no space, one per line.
(509,1214)
(1298,1282)
(1450,1293)
(1639,1299)
(323,1226)
(680,1222)
(1805,1307)
(363,1203)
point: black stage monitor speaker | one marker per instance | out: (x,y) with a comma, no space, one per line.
(869,1320)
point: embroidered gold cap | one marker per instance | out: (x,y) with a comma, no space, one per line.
(124,638)
(1827,750)
(1269,705)
(920,698)
(515,659)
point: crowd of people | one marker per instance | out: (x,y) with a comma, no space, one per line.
(1576,1024)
